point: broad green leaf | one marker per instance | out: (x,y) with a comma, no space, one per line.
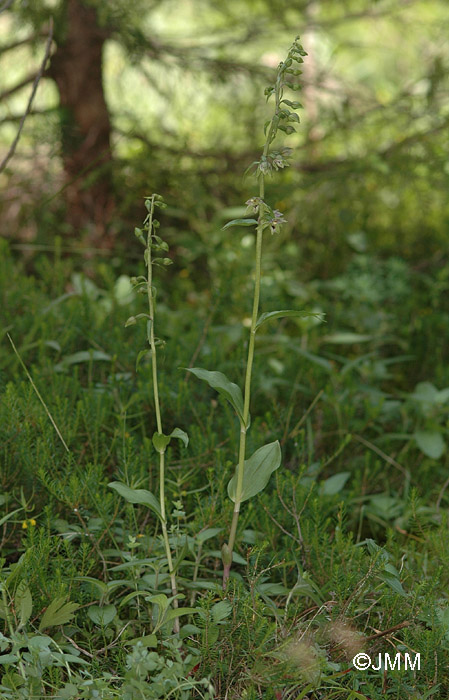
(82,356)
(271,315)
(347,338)
(160,442)
(102,615)
(40,642)
(443,618)
(236,557)
(180,435)
(425,391)
(334,484)
(240,222)
(221,384)
(132,320)
(220,611)
(8,659)
(177,612)
(159,599)
(131,596)
(257,471)
(429,396)
(394,583)
(188,630)
(431,443)
(251,536)
(53,344)
(123,290)
(58,613)
(358,241)
(271,589)
(140,496)
(208,533)
(101,585)
(4,642)
(135,563)
(71,658)
(83,285)
(149,640)
(443,396)
(23,603)
(316,359)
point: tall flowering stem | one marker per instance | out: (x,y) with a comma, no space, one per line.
(282,120)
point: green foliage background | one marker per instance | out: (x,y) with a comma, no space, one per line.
(351,533)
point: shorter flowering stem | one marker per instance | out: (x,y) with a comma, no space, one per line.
(152,342)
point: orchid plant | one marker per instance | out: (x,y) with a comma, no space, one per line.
(252,474)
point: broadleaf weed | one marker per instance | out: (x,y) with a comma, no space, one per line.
(154,244)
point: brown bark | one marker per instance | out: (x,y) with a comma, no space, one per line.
(76,68)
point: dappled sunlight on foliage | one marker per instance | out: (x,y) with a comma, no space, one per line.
(224,431)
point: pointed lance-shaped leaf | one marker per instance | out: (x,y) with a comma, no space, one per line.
(139,496)
(180,435)
(226,388)
(257,471)
(240,222)
(285,313)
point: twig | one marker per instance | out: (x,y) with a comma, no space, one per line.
(382,454)
(37,79)
(38,394)
(406,623)
(295,430)
(18,86)
(98,651)
(278,524)
(441,494)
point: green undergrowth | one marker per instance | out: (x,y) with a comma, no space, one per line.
(345,551)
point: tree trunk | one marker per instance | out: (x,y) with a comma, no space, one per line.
(76,68)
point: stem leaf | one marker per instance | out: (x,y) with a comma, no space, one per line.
(181,435)
(240,222)
(271,315)
(257,471)
(160,442)
(220,382)
(140,496)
